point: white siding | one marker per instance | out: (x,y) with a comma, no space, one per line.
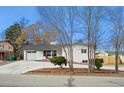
(77,55)
(25,55)
(63,52)
(33,56)
(39,55)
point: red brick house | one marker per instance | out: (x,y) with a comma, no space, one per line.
(6,48)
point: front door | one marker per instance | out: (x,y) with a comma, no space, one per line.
(1,55)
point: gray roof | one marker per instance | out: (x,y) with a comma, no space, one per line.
(80,43)
(41,47)
(77,43)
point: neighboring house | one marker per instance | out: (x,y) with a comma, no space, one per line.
(6,48)
(109,58)
(103,53)
(42,52)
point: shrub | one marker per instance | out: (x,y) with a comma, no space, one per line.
(59,60)
(98,63)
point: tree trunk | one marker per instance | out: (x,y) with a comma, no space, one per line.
(116,60)
(89,38)
(94,57)
(71,54)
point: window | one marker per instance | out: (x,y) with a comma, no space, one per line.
(9,47)
(1,47)
(84,61)
(49,53)
(46,53)
(83,50)
(54,53)
(31,52)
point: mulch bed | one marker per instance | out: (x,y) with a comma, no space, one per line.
(75,72)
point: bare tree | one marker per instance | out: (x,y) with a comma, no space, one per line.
(32,34)
(49,35)
(2,35)
(116,17)
(91,18)
(62,19)
(23,22)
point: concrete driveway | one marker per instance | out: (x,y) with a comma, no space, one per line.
(19,67)
(23,66)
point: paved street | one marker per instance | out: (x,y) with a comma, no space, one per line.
(7,80)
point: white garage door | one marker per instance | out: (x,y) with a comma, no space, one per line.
(31,55)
